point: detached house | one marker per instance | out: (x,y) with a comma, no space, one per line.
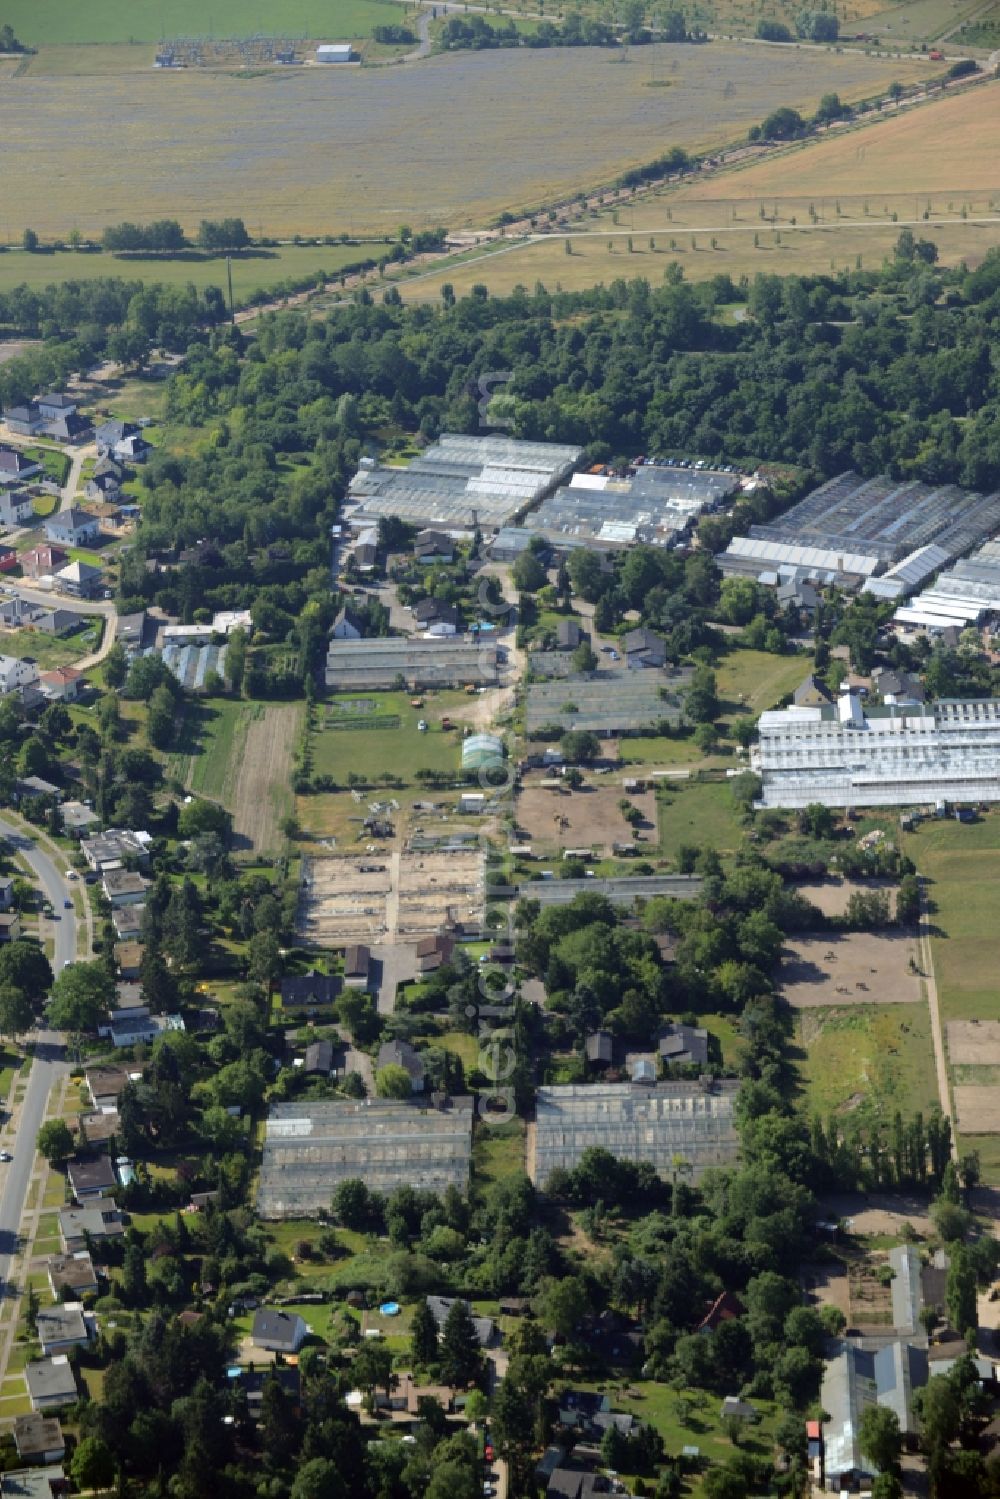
(16,507)
(643,648)
(42,561)
(62,684)
(26,420)
(73,528)
(122,440)
(15,468)
(17,672)
(348,625)
(55,405)
(278,1331)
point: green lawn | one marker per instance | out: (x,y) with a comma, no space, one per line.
(873,1058)
(65,21)
(253,270)
(701,813)
(211,738)
(48,650)
(961,863)
(397,747)
(498,1151)
(751,681)
(55,462)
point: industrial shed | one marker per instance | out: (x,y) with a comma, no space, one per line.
(377,665)
(606,703)
(462,481)
(962,596)
(853,528)
(656,504)
(659,1123)
(311,1147)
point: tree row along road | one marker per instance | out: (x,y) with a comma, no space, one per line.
(49,1065)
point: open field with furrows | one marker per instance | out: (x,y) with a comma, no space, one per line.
(240,754)
(253,271)
(454,140)
(42,22)
(873,1059)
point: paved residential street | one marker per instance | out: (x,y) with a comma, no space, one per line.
(49,1064)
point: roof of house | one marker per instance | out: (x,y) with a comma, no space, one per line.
(309,988)
(725,1308)
(319,1057)
(811,692)
(644,640)
(72,519)
(51,1379)
(105,1080)
(123,882)
(73,1270)
(35,1435)
(60,1323)
(357,961)
(350,616)
(600,1047)
(686,1044)
(32,1483)
(401,1054)
(440,1306)
(59,401)
(61,676)
(568,633)
(95,1174)
(278,1328)
(79,572)
(97,1220)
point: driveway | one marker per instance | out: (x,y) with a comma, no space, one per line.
(397,965)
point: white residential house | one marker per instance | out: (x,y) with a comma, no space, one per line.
(17,672)
(123,888)
(347,625)
(16,507)
(73,528)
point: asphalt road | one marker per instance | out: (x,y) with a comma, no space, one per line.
(50,1057)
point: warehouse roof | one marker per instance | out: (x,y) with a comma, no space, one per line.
(310,1147)
(655,1123)
(461,480)
(606,703)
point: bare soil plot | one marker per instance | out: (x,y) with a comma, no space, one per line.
(949,147)
(826,1283)
(870,1300)
(831,896)
(588,818)
(438,889)
(343,900)
(881,1213)
(977,1108)
(854,968)
(262,794)
(452,140)
(974,1042)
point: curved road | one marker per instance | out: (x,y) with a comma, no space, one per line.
(50,1061)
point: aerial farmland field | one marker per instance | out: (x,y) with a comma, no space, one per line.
(39,22)
(816,207)
(253,271)
(453,140)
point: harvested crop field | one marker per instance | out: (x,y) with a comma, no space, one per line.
(974,1043)
(452,140)
(854,968)
(951,146)
(262,795)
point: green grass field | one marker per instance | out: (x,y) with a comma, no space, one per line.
(48,650)
(751,681)
(699,813)
(55,21)
(399,748)
(255,271)
(871,1058)
(211,738)
(961,863)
